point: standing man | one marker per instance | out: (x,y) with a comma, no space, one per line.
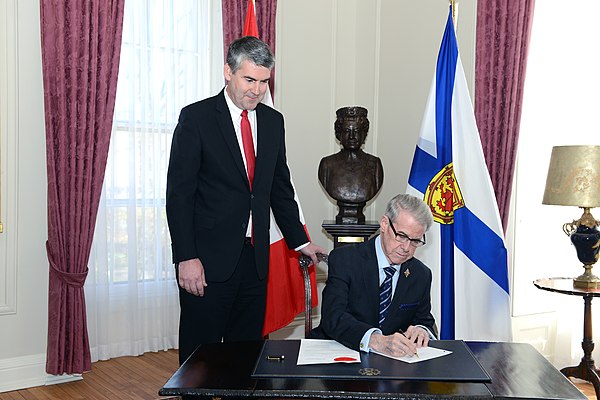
(227,168)
(377,295)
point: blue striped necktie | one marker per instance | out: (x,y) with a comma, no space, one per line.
(385,293)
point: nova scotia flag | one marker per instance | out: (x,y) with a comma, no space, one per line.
(465,247)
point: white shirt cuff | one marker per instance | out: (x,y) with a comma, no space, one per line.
(302,246)
(364,343)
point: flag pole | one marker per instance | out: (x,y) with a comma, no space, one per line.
(454,5)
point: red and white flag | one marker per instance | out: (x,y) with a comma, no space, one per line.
(250,25)
(285,287)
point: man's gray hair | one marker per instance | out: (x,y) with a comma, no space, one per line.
(413,206)
(252,49)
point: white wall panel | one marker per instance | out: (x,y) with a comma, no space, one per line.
(8,156)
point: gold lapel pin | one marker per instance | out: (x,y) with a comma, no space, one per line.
(407,272)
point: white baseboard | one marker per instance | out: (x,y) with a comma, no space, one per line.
(29,371)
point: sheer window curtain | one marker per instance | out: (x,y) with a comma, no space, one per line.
(560,108)
(172,55)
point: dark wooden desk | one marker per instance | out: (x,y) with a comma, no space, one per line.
(224,370)
(586,369)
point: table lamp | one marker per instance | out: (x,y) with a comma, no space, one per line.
(574,180)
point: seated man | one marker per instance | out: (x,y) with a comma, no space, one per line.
(369,306)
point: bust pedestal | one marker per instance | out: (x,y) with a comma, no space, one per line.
(344,234)
(350,213)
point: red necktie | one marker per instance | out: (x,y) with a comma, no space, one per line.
(248,146)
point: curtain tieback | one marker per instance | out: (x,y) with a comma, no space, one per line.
(73,279)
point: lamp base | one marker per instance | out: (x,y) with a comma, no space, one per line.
(587,280)
(586,239)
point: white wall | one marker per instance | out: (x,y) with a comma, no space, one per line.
(379,54)
(23,260)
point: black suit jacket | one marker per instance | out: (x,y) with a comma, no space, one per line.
(350,305)
(208,194)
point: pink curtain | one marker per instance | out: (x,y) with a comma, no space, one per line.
(234,14)
(81,44)
(503,32)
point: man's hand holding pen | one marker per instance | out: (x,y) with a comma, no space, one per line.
(400,344)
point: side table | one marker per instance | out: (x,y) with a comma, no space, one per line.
(586,369)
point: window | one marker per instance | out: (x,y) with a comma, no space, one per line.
(171,56)
(560,107)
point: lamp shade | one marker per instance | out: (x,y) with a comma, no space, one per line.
(573,177)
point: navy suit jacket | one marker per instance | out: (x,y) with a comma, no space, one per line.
(208,194)
(350,305)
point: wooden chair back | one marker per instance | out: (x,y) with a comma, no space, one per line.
(305,262)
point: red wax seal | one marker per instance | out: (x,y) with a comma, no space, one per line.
(345,359)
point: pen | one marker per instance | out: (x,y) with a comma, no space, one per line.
(276,358)
(402,333)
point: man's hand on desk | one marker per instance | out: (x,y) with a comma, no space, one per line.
(400,344)
(417,335)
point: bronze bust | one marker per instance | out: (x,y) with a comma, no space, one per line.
(351,176)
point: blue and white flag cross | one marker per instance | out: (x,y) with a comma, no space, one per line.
(465,249)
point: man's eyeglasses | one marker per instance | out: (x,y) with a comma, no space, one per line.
(402,238)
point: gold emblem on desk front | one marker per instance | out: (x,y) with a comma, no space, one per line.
(369,371)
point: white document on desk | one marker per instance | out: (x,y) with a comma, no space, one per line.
(319,351)
(423,354)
